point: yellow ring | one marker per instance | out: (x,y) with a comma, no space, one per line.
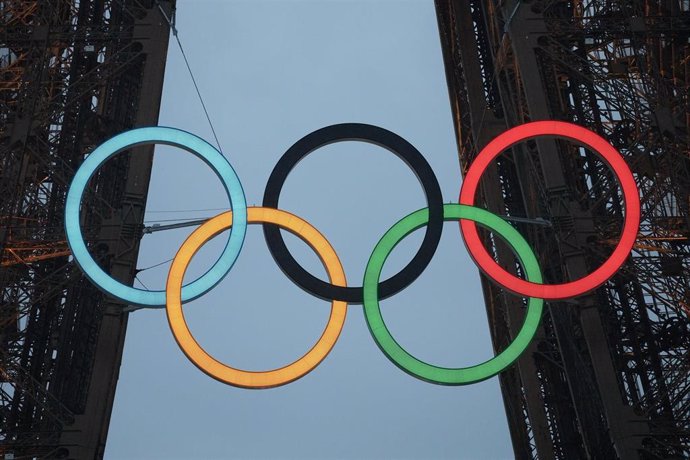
(223,372)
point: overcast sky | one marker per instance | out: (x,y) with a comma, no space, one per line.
(271,72)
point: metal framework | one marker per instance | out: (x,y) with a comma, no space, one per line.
(608,376)
(73,73)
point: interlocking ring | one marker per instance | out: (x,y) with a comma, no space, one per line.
(610,156)
(415,366)
(145,136)
(225,373)
(336,290)
(381,137)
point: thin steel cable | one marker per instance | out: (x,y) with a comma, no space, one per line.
(191,74)
(141,282)
(161,211)
(153,266)
(179,219)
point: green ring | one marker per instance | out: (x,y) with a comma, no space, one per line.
(416,367)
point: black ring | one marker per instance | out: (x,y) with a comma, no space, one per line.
(378,136)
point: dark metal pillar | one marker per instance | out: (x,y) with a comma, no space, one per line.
(78,73)
(608,376)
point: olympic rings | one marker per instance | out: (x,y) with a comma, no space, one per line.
(416,367)
(336,290)
(375,135)
(630,196)
(237,377)
(144,136)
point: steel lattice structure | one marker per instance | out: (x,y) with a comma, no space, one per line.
(74,73)
(609,375)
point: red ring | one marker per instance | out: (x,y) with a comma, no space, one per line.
(614,160)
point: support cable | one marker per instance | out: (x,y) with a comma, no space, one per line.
(139,270)
(173,28)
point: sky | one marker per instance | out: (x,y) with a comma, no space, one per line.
(270,73)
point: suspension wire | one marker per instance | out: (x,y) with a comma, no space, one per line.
(174,30)
(179,219)
(141,282)
(139,270)
(185,210)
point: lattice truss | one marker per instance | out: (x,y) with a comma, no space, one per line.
(621,68)
(70,78)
